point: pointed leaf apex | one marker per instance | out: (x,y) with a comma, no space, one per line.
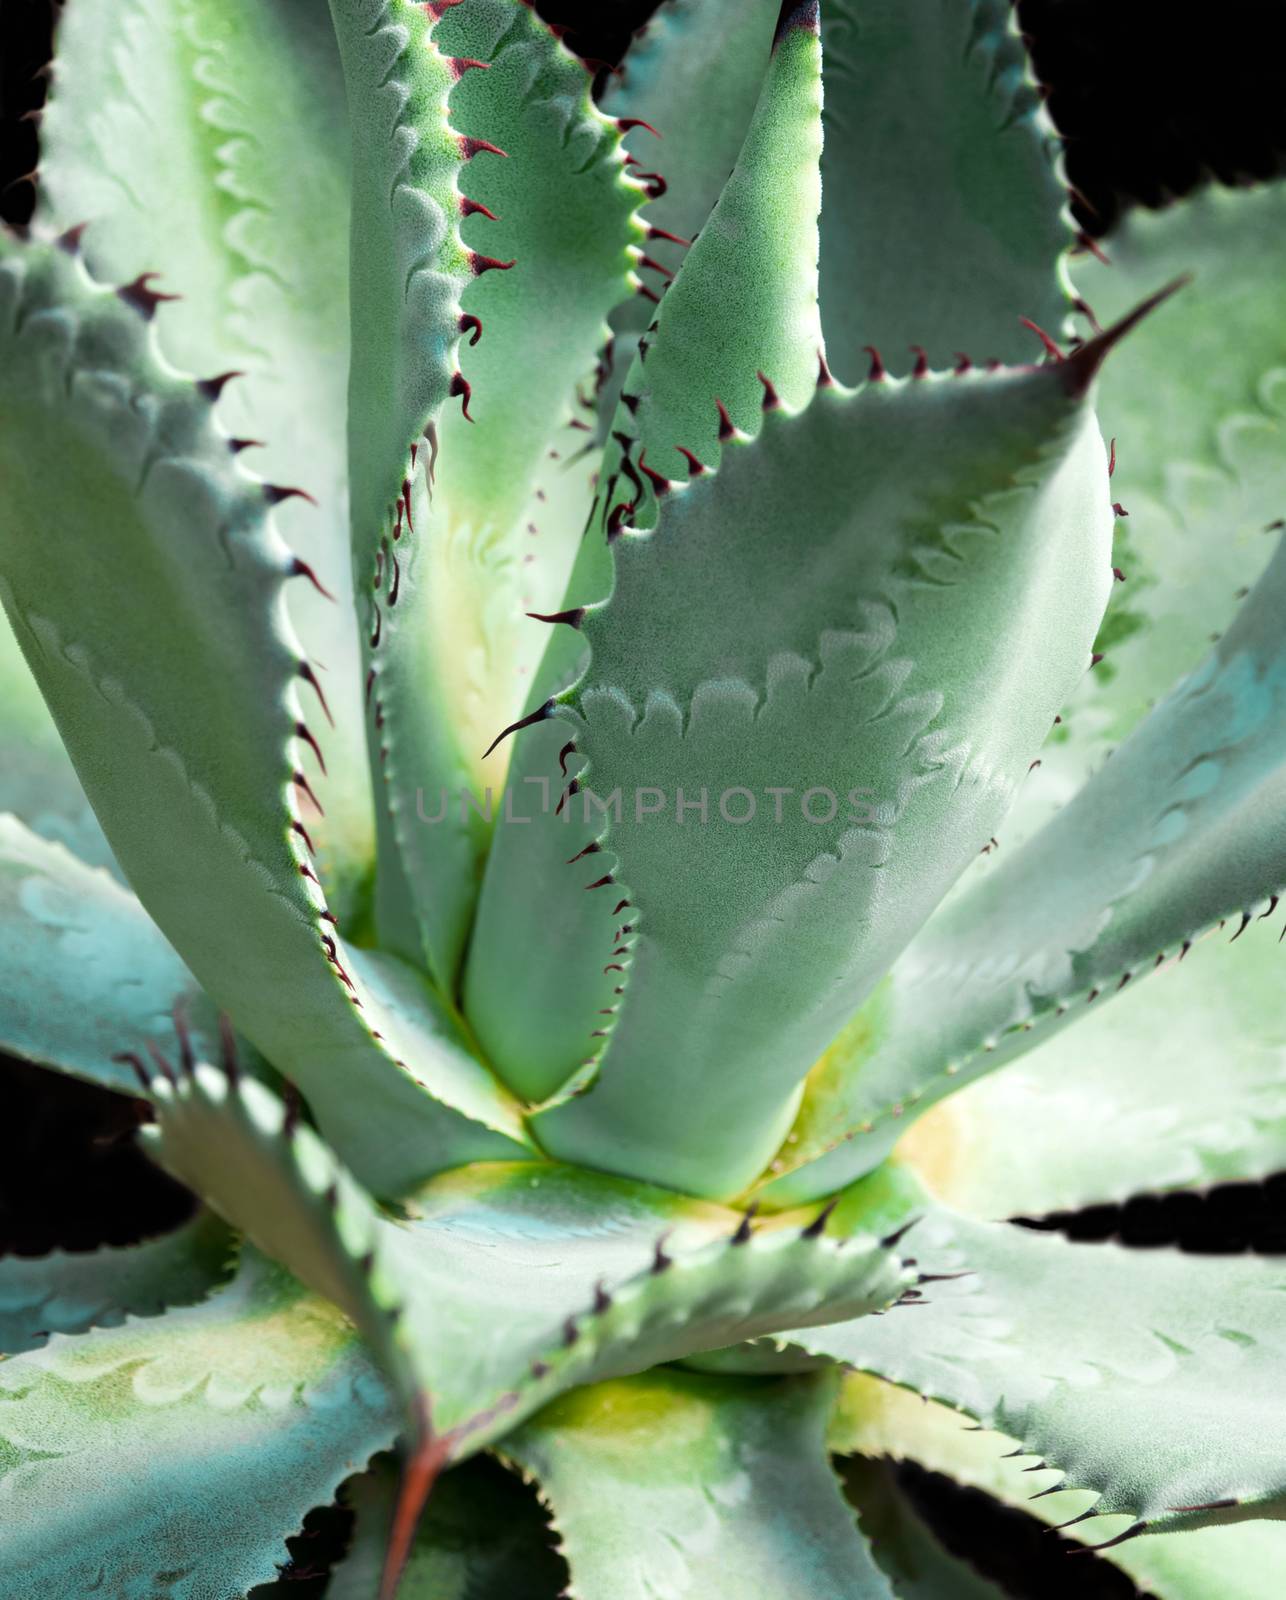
(1079,369)
(798,14)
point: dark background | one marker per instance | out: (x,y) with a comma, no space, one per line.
(1152,99)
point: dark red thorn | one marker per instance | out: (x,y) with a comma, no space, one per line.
(890,1240)
(144,299)
(697,467)
(573,617)
(674,238)
(745,1230)
(1117,575)
(479,264)
(298,827)
(310,678)
(654,266)
(877,372)
(1050,347)
(660,484)
(726,429)
(626,123)
(591,849)
(228,1048)
(473,147)
(825,377)
(620,907)
(660,1260)
(630,402)
(772,400)
(580,427)
(1086,241)
(817,1227)
(459,65)
(461,386)
(1245,923)
(431,1455)
(70,240)
(1092,1549)
(302,784)
(395,588)
(470,208)
(654,183)
(377,632)
(127,1058)
(614,966)
(1111,460)
(1272,906)
(1096,658)
(212,388)
(166,1070)
(370,684)
(921,368)
(302,732)
(1072,1521)
(236,446)
(1118,509)
(1087,311)
(648,294)
(601,883)
(275,493)
(301,569)
(616,519)
(1079,369)
(471,324)
(541,714)
(572,789)
(293,1104)
(963,364)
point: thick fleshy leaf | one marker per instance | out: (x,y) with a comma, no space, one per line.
(853,738)
(38,783)
(1180,1084)
(1239,1562)
(499,1286)
(71,1291)
(175,1455)
(482,1536)
(945,217)
(204,141)
(680,78)
(698,1488)
(917,1565)
(182,713)
(1182,829)
(745,298)
(88,975)
(1151,1378)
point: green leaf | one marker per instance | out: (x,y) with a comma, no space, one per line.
(548,238)
(945,217)
(698,1487)
(188,733)
(1198,464)
(69,1292)
(204,141)
(482,1536)
(88,975)
(1238,1562)
(496,1287)
(129,1455)
(917,1565)
(1148,1377)
(681,77)
(1181,1082)
(1182,829)
(38,784)
(947,544)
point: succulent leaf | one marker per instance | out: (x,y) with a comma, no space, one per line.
(88,975)
(1241,1561)
(193,147)
(680,78)
(129,1455)
(610,1277)
(186,723)
(1181,830)
(481,1535)
(1183,1081)
(947,539)
(693,1486)
(945,217)
(1144,1377)
(70,1292)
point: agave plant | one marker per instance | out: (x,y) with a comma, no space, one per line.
(555,731)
